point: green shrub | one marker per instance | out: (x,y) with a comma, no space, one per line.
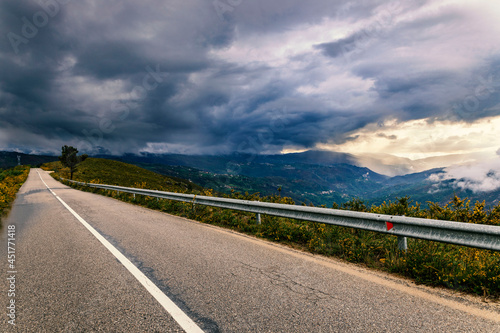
(10,182)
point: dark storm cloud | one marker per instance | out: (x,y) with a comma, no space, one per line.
(54,81)
(124,76)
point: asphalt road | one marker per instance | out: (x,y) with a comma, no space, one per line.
(66,280)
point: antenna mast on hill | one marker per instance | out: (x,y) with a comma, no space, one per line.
(18,160)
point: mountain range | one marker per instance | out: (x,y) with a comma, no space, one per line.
(9,159)
(317,177)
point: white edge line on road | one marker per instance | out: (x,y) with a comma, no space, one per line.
(182,319)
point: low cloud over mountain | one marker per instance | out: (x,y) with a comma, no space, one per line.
(477,177)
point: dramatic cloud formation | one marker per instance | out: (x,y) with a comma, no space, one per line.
(255,76)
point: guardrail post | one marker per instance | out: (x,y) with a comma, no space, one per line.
(402,243)
(258,219)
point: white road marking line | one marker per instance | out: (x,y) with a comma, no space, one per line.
(182,319)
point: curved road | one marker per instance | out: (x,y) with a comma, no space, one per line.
(65,279)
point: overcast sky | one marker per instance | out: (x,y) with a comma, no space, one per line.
(410,78)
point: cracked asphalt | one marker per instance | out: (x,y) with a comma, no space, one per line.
(66,280)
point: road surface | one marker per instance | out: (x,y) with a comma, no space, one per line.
(84,262)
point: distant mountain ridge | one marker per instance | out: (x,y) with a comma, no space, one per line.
(317,177)
(8,159)
(223,163)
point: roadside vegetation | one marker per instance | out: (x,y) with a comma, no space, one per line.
(10,182)
(430,263)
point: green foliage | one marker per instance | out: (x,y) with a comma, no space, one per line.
(356,205)
(10,182)
(467,269)
(69,156)
(70,159)
(401,207)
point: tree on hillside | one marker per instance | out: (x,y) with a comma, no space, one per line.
(70,159)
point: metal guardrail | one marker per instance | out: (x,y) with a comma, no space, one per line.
(467,234)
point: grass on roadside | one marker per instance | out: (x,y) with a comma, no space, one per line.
(10,182)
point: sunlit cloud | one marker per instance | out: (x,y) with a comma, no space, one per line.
(417,139)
